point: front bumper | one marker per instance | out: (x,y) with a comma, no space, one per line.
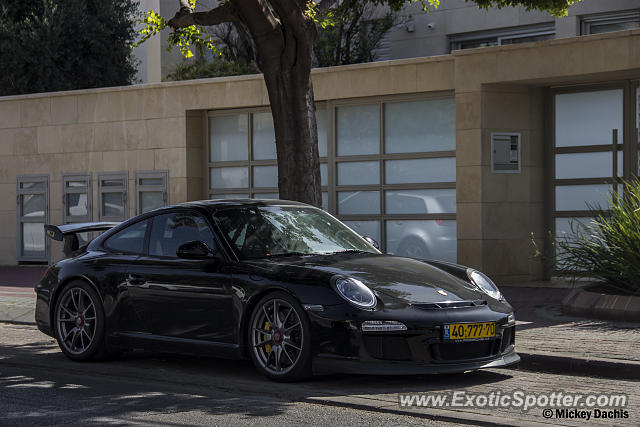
(339,345)
(329,364)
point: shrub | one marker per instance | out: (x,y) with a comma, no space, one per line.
(606,248)
(202,68)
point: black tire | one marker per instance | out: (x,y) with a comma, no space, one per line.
(78,321)
(285,348)
(413,247)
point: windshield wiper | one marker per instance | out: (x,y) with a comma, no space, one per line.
(290,254)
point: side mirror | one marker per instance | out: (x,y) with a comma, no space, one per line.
(195,249)
(372,242)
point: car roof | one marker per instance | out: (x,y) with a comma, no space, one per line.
(215,204)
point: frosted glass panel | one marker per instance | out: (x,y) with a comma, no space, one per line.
(324,173)
(325,201)
(358,202)
(150,200)
(236,177)
(150,181)
(586,165)
(264,138)
(420,170)
(76,184)
(228,138)
(421,201)
(575,197)
(587,118)
(117,182)
(265,176)
(563,225)
(230,196)
(32,238)
(76,204)
(33,205)
(270,196)
(32,185)
(358,130)
(358,173)
(321,122)
(420,126)
(366,228)
(428,239)
(112,204)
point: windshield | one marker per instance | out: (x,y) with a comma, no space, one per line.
(258,232)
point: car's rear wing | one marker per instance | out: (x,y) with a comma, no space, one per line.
(69,233)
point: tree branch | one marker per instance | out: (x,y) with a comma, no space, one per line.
(186,17)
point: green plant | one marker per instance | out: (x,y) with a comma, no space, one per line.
(607,247)
(201,68)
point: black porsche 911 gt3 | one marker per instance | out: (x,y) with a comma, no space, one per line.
(280,282)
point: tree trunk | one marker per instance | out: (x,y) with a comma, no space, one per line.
(288,80)
(284,46)
(294,119)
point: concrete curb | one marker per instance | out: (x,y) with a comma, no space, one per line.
(598,305)
(588,367)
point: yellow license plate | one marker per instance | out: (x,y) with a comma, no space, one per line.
(466,331)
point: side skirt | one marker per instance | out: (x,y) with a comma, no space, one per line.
(151,342)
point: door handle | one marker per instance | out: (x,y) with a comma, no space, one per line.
(136,280)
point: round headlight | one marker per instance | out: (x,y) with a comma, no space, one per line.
(355,292)
(485,284)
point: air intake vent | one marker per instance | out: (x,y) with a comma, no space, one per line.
(450,304)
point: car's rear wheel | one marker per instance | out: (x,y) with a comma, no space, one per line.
(279,338)
(79,322)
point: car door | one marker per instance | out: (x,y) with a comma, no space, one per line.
(121,251)
(183,298)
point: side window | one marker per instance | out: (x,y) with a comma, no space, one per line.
(169,231)
(131,239)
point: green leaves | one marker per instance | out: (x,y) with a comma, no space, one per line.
(557,8)
(153,22)
(183,38)
(186,37)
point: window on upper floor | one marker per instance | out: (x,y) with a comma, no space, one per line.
(608,22)
(502,37)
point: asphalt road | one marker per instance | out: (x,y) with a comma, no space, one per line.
(38,385)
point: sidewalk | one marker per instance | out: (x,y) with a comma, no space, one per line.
(546,339)
(17,298)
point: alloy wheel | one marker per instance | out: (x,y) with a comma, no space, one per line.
(76,320)
(277,337)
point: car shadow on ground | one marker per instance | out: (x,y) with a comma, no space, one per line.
(143,383)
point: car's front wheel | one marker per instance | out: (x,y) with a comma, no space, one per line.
(79,322)
(279,338)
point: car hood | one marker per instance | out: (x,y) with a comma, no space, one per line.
(393,278)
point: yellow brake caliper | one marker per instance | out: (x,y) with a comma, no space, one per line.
(267,347)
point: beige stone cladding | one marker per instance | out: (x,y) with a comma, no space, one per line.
(162,126)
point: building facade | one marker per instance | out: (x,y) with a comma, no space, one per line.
(453,25)
(459,157)
(458,24)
